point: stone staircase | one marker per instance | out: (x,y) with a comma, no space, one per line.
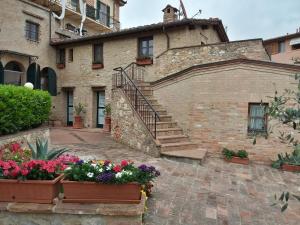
(174,144)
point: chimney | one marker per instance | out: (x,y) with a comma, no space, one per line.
(170,14)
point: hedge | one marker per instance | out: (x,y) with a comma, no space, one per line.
(22,108)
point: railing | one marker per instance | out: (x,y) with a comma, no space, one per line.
(125,81)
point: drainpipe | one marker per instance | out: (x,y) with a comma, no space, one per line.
(50,21)
(168,37)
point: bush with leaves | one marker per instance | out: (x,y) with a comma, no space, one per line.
(229,154)
(22,108)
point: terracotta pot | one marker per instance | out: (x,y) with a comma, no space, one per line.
(107,125)
(143,62)
(290,168)
(29,191)
(91,192)
(78,123)
(97,66)
(238,160)
(60,65)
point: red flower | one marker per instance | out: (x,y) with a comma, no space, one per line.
(15,147)
(24,172)
(124,163)
(117,169)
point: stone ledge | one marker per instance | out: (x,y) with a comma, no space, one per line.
(75,209)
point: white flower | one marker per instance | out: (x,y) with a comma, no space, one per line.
(118,175)
(68,168)
(94,164)
(100,170)
(90,175)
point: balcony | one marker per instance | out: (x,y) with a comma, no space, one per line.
(95,20)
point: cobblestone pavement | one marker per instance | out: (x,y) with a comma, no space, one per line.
(213,194)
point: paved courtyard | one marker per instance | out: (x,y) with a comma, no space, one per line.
(215,193)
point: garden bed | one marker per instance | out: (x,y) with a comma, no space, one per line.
(238,160)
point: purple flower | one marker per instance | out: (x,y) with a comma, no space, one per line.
(80,162)
(144,168)
(157,173)
(105,177)
(152,169)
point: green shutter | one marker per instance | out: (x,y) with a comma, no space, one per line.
(98,10)
(33,75)
(1,73)
(108,16)
(52,86)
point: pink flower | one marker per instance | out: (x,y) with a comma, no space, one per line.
(117,169)
(124,163)
(6,173)
(24,172)
(15,147)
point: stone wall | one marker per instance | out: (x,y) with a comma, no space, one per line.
(128,128)
(71,214)
(177,59)
(26,136)
(211,105)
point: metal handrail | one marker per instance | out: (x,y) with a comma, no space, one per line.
(137,91)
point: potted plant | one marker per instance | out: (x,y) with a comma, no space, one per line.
(35,181)
(106,182)
(239,157)
(288,162)
(107,125)
(78,121)
(144,60)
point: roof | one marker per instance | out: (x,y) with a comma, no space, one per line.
(281,38)
(17,53)
(290,67)
(148,28)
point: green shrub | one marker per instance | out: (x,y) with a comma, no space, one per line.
(229,154)
(22,108)
(242,154)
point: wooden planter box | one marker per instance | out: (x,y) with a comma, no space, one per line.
(78,123)
(238,160)
(91,192)
(29,191)
(290,168)
(143,62)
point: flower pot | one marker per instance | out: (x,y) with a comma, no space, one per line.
(60,65)
(97,66)
(290,168)
(78,123)
(143,62)
(238,160)
(107,125)
(29,191)
(91,192)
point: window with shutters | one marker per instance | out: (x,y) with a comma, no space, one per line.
(71,52)
(61,56)
(103,13)
(32,31)
(257,118)
(98,54)
(281,47)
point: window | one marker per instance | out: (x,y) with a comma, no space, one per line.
(61,56)
(32,31)
(70,59)
(103,13)
(295,47)
(281,47)
(257,117)
(146,47)
(98,54)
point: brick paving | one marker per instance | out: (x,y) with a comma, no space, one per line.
(217,193)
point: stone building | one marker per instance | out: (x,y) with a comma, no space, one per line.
(178,88)
(284,49)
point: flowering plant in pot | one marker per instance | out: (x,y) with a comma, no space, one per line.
(14,151)
(78,121)
(288,162)
(34,181)
(106,182)
(144,60)
(240,157)
(107,111)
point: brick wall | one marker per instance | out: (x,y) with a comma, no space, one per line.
(211,105)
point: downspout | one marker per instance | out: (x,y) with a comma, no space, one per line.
(168,37)
(50,21)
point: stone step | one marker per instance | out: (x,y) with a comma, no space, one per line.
(194,156)
(157,107)
(152,101)
(165,118)
(169,131)
(165,125)
(179,146)
(142,87)
(147,92)
(172,139)
(160,112)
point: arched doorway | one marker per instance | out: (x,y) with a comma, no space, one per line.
(33,75)
(13,73)
(48,80)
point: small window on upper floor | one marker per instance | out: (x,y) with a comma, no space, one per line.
(71,52)
(32,31)
(98,54)
(61,58)
(257,118)
(145,47)
(281,47)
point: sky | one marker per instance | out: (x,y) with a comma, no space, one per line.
(244,19)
